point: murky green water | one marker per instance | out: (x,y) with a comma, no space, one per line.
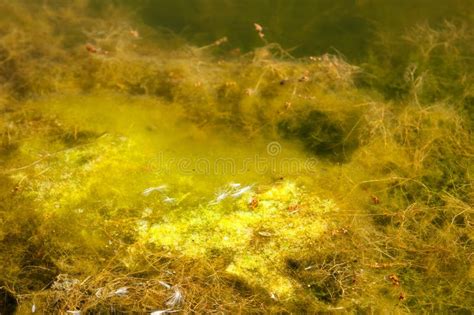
(310,27)
(236,157)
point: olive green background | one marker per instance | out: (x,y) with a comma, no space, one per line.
(310,26)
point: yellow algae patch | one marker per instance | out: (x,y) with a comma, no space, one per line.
(96,174)
(258,238)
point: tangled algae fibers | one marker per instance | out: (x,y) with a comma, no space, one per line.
(143,173)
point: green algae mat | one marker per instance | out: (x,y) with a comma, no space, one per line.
(140,173)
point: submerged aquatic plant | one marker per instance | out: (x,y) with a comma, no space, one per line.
(382,222)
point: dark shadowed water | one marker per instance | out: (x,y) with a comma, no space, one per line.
(311,27)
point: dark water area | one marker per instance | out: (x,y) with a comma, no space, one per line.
(310,27)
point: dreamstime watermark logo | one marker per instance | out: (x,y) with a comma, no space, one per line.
(270,161)
(273,148)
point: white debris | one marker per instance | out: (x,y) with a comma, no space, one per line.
(33,308)
(121,291)
(221,196)
(64,283)
(169,200)
(149,190)
(166,285)
(273,296)
(74,312)
(176,298)
(241,191)
(265,234)
(233,190)
(99,292)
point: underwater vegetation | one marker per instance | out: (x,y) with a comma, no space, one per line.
(142,174)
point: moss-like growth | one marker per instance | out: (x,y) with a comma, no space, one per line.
(141,178)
